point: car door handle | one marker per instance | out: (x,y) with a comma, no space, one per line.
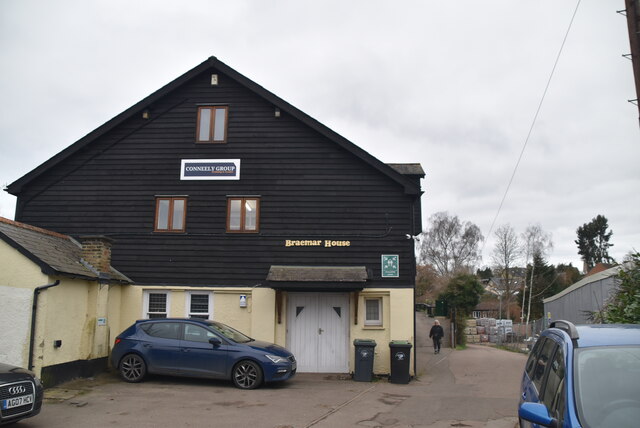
(147,345)
(320,331)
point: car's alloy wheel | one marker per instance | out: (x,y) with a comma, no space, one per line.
(132,368)
(247,375)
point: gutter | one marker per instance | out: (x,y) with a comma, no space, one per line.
(34,308)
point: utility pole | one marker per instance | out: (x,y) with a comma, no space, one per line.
(633,22)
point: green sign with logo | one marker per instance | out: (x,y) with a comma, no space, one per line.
(390,266)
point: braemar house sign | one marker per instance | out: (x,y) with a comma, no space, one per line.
(210,169)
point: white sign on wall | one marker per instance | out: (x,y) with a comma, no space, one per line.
(210,169)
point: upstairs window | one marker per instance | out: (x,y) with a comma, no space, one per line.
(170,214)
(243,215)
(212,124)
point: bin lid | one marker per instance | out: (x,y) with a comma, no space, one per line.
(364,342)
(400,344)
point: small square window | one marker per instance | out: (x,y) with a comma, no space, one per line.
(243,215)
(199,305)
(212,124)
(156,304)
(170,214)
(373,311)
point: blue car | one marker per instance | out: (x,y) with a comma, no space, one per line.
(583,376)
(199,348)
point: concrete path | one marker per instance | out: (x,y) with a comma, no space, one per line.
(477,387)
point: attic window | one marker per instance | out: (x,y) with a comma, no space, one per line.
(212,124)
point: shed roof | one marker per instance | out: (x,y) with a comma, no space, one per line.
(584,281)
(212,63)
(55,253)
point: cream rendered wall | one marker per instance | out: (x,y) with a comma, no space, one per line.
(263,314)
(114,309)
(19,276)
(17,270)
(259,318)
(281,329)
(397,324)
(130,308)
(226,306)
(63,314)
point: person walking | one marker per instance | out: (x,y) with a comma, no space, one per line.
(436,333)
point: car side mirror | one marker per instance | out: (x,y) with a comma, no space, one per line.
(538,414)
(215,341)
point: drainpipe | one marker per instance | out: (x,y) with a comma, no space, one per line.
(34,308)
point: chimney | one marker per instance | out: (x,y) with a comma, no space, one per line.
(96,250)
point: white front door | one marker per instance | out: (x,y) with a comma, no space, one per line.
(318,331)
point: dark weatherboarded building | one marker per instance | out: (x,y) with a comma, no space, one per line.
(224,201)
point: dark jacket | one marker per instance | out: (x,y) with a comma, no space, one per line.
(436,332)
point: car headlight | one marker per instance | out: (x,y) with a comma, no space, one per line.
(276,359)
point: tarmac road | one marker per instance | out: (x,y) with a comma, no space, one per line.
(477,387)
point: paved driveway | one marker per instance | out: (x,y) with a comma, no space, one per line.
(477,387)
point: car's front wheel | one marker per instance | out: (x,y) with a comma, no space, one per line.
(132,368)
(247,375)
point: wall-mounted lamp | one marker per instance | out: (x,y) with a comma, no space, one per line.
(145,114)
(243,300)
(214,80)
(57,343)
(277,112)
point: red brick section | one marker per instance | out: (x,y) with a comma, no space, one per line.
(32,228)
(96,250)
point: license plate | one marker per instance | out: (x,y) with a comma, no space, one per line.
(17,401)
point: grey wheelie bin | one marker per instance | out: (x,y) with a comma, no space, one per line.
(364,360)
(400,361)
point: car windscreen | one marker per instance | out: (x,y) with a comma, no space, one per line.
(607,386)
(229,332)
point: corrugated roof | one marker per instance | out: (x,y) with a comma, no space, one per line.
(55,253)
(584,281)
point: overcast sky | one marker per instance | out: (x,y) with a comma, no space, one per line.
(451,85)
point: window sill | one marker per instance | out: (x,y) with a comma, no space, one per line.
(373,327)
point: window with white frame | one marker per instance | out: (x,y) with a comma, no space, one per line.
(156,304)
(200,305)
(373,311)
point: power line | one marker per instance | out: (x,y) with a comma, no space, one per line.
(533,123)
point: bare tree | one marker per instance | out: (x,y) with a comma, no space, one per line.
(506,254)
(537,243)
(450,245)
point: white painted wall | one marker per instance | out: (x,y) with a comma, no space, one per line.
(15,316)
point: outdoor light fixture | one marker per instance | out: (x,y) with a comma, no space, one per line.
(277,112)
(145,114)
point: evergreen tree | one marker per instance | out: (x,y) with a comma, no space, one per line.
(624,305)
(593,241)
(545,284)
